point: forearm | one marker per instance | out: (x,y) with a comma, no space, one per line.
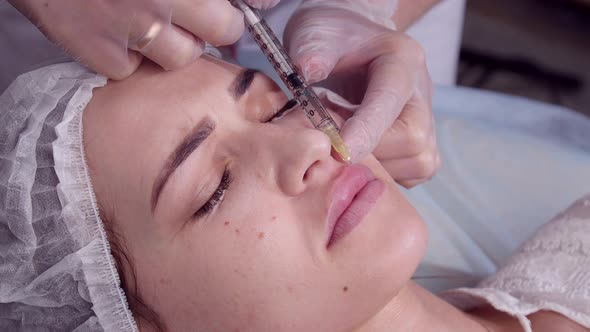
(409,11)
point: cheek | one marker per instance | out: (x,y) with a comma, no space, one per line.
(402,231)
(230,270)
(255,262)
(376,260)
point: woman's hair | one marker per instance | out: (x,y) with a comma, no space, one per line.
(141,311)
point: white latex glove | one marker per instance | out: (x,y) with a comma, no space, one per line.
(383,70)
(262,4)
(111,37)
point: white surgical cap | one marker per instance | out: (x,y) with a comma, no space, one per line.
(56,268)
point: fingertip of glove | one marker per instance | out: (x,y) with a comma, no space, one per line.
(315,68)
(314,73)
(122,69)
(358,142)
(262,4)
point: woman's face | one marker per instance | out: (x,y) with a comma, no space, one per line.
(229,220)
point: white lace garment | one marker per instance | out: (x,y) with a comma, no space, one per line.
(551,271)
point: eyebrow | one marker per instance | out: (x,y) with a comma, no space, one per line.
(197,135)
(242,82)
(186,147)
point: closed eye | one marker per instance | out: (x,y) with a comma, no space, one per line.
(283,110)
(217,195)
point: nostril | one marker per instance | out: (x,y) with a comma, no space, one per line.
(307,173)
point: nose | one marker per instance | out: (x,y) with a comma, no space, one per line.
(306,163)
(297,155)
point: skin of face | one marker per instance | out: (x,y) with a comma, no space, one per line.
(259,260)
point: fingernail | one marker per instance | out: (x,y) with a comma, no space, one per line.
(355,148)
(314,73)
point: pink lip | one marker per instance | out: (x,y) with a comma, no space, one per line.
(354,193)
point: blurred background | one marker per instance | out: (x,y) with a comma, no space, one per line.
(538,49)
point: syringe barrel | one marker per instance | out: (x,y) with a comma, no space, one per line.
(268,43)
(315,111)
(278,58)
(271,47)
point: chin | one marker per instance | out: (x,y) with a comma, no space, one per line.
(398,237)
(388,246)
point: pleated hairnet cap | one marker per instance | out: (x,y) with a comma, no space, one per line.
(57,272)
(56,268)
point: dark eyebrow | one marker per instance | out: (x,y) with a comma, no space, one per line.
(186,147)
(242,82)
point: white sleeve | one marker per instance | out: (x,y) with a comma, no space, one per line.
(439,32)
(551,271)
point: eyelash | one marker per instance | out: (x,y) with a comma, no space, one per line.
(283,110)
(227,178)
(217,195)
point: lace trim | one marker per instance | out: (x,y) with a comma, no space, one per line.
(550,272)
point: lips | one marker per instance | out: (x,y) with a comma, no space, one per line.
(354,193)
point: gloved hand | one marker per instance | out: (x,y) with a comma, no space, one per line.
(262,4)
(383,70)
(111,37)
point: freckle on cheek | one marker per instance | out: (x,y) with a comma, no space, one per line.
(226,223)
(345,289)
(237,230)
(274,218)
(261,235)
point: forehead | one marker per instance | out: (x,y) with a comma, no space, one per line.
(152,99)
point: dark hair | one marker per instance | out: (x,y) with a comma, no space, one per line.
(141,311)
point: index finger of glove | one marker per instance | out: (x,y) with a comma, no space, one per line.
(410,133)
(389,88)
(214,21)
(262,4)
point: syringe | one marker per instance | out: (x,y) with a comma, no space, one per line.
(278,58)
